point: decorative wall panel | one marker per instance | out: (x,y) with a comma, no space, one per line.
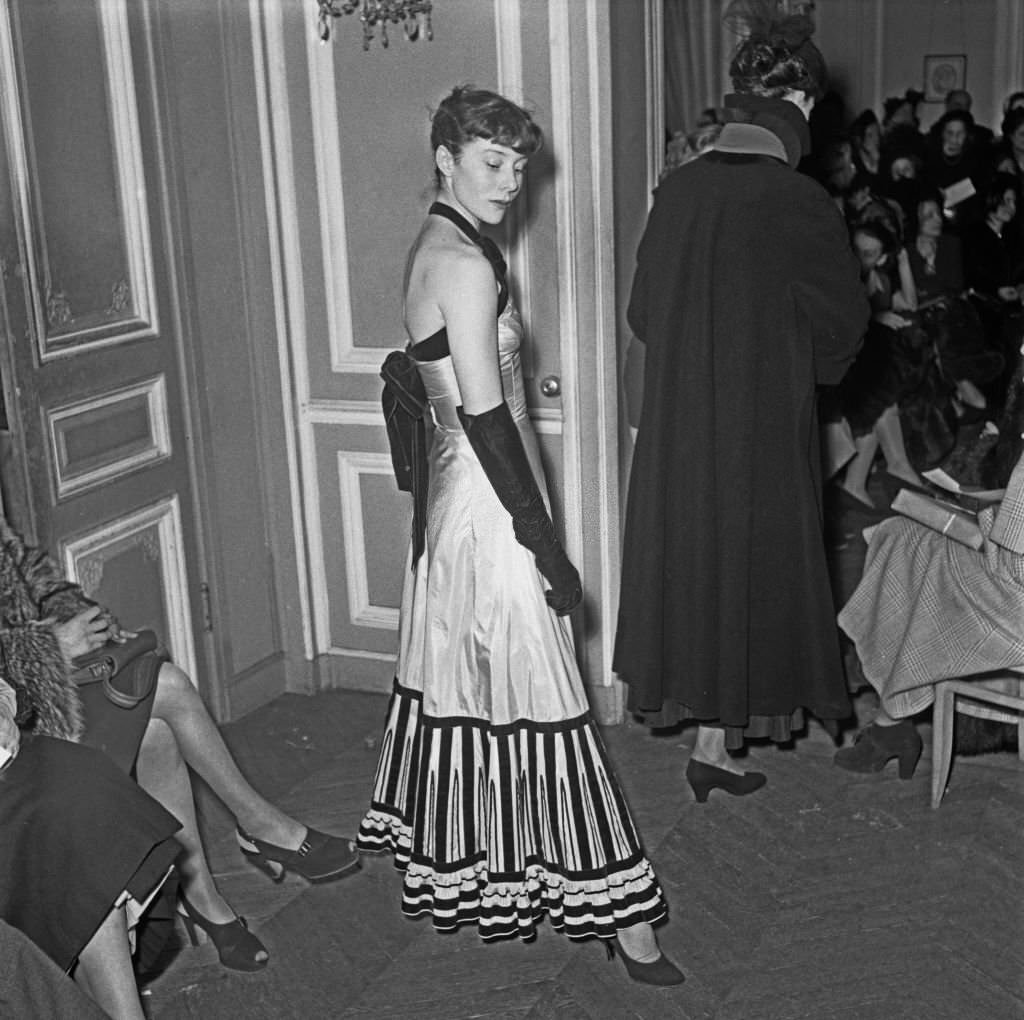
(356,512)
(94,441)
(136,565)
(78,173)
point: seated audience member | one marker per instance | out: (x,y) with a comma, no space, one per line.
(964,358)
(862,204)
(1008,152)
(838,169)
(32,985)
(955,168)
(1014,101)
(961,99)
(900,179)
(901,123)
(46,623)
(887,368)
(968,624)
(994,273)
(866,140)
(82,844)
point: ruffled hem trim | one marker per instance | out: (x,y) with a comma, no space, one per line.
(580,908)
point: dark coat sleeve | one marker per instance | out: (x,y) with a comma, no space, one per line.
(828,290)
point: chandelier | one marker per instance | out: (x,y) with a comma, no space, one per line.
(413,14)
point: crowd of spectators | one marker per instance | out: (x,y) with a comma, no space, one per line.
(933,218)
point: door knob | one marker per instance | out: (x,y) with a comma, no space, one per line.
(551,386)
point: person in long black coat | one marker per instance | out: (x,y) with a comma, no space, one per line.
(746,295)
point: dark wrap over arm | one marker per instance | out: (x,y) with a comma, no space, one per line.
(404,402)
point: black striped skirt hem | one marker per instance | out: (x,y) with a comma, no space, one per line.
(499,825)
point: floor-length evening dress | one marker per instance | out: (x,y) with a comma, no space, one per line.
(493,790)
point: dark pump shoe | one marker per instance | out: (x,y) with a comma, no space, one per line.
(876,746)
(662,971)
(704,778)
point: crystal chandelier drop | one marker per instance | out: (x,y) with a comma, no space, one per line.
(413,14)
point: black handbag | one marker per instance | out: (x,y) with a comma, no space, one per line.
(127,669)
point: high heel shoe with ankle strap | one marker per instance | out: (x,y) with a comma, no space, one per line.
(704,778)
(236,946)
(318,858)
(876,746)
(662,971)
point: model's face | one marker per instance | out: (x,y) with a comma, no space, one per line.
(954,137)
(484,179)
(869,250)
(929,219)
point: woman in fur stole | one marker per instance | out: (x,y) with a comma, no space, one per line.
(45,623)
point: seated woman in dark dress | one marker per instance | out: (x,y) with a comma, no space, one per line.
(965,360)
(954,168)
(994,272)
(82,847)
(888,366)
(866,142)
(47,622)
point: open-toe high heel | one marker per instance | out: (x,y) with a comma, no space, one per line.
(236,946)
(318,858)
(661,971)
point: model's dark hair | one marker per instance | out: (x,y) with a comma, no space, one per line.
(468,112)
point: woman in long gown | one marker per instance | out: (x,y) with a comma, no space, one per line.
(493,789)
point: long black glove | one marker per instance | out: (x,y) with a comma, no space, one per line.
(499,447)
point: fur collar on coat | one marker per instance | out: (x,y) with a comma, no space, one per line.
(33,596)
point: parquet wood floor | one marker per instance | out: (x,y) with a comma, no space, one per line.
(825,896)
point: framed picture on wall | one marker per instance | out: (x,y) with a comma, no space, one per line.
(943,72)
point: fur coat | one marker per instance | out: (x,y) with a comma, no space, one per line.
(34,595)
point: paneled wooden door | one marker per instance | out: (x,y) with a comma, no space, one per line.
(97,465)
(353,176)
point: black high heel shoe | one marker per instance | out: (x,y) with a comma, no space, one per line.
(704,778)
(319,857)
(237,947)
(661,971)
(876,746)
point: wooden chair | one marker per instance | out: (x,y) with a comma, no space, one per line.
(972,697)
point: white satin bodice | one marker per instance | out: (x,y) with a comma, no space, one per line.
(443,388)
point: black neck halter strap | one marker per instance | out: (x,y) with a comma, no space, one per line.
(490,250)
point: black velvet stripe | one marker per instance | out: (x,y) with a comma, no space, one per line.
(443,844)
(506,803)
